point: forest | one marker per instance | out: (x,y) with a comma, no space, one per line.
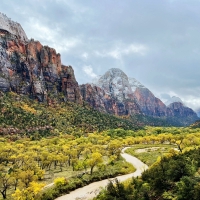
(47,151)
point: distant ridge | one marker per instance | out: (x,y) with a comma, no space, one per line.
(116,93)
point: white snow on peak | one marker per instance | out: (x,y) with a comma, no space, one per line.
(116,72)
(135,84)
(173,100)
(116,83)
(12,27)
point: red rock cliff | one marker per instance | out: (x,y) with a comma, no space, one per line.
(28,67)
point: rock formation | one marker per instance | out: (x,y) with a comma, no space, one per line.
(124,95)
(113,92)
(118,94)
(28,67)
(105,102)
(11,29)
(179,110)
(149,104)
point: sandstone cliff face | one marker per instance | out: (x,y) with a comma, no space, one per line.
(69,86)
(125,95)
(28,67)
(115,83)
(105,102)
(149,104)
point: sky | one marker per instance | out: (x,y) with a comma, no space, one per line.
(155,41)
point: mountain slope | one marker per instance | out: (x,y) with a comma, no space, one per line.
(149,104)
(21,115)
(106,102)
(116,93)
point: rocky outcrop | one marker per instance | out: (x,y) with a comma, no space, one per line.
(116,83)
(11,28)
(149,104)
(152,106)
(68,84)
(28,67)
(105,102)
(112,93)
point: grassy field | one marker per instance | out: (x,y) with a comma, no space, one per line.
(149,153)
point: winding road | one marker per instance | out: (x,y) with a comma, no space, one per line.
(90,191)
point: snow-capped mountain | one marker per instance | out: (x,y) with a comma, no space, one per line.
(116,93)
(117,84)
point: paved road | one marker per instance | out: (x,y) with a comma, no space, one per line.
(90,191)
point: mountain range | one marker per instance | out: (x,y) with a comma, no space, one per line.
(29,68)
(116,93)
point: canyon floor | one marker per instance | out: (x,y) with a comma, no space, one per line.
(90,191)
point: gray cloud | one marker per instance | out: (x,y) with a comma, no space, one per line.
(156,42)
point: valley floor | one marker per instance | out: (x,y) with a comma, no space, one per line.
(93,189)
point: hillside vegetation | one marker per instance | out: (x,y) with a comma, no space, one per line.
(20,115)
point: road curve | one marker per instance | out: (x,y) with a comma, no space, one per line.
(90,191)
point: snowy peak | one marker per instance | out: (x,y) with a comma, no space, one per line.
(135,84)
(11,27)
(173,100)
(116,93)
(117,84)
(115,72)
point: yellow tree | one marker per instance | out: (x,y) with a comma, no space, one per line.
(6,182)
(114,147)
(29,193)
(94,160)
(179,142)
(26,177)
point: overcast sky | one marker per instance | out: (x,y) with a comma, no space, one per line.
(155,41)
